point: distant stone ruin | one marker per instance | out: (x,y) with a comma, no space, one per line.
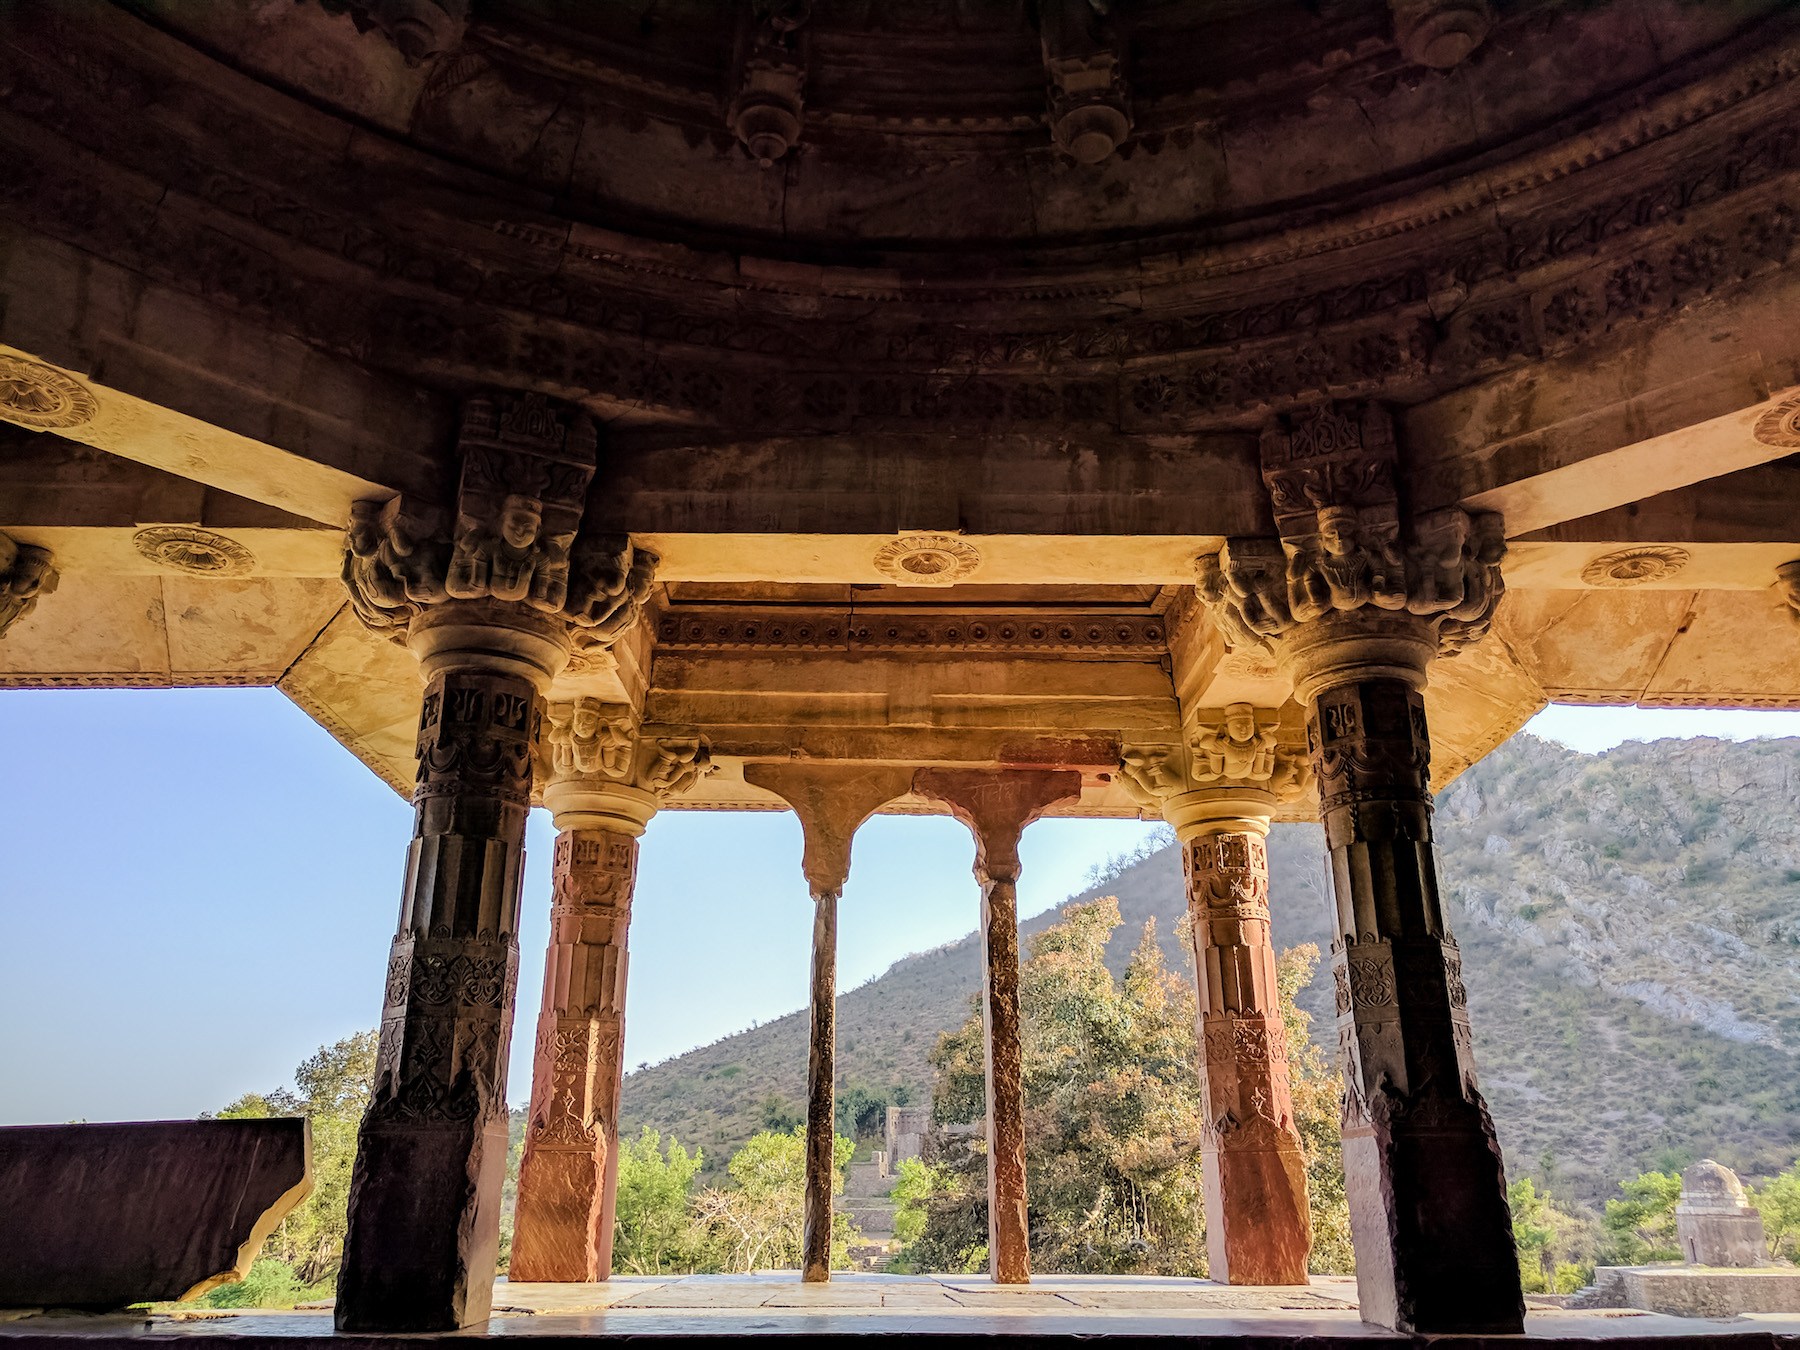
(1715,1222)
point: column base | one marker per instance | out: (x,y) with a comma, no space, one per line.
(1428,1216)
(1258,1225)
(556,1231)
(421,1253)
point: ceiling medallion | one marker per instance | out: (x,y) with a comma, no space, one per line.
(928,559)
(41,397)
(1780,426)
(1635,566)
(187,548)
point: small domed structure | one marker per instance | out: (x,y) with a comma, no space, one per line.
(1715,1222)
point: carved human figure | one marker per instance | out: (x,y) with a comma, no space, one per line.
(588,736)
(1150,775)
(25,574)
(1239,749)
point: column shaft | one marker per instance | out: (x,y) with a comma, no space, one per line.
(568,1179)
(1258,1225)
(821,1126)
(1434,1245)
(431,1152)
(1009,1237)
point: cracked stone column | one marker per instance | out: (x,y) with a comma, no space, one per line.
(605,781)
(832,801)
(1258,1223)
(491,594)
(997,805)
(1356,599)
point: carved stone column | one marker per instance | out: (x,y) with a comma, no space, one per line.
(997,806)
(832,801)
(491,606)
(1258,1223)
(605,781)
(1368,596)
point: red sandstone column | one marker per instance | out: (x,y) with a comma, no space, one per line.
(568,1178)
(831,801)
(997,806)
(1258,1225)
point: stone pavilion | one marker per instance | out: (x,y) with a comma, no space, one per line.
(1220,411)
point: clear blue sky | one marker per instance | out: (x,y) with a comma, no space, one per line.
(197,889)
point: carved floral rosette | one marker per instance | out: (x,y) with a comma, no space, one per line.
(515,535)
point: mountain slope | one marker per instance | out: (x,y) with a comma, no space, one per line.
(1631,932)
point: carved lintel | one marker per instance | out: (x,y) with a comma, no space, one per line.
(26,572)
(1089,102)
(767,110)
(418,29)
(1440,33)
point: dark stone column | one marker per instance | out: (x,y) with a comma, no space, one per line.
(431,1152)
(568,1178)
(821,1108)
(1434,1244)
(1258,1225)
(997,806)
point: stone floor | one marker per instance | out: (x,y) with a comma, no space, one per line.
(878,1306)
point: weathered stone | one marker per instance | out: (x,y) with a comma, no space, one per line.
(1714,1220)
(997,807)
(99,1216)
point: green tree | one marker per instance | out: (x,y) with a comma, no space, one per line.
(1779,1204)
(1555,1246)
(1641,1227)
(1318,1092)
(755,1223)
(331,1088)
(1115,1115)
(654,1229)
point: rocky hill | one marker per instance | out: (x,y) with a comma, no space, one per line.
(1631,931)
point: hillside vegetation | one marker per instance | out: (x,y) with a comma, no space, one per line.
(1631,933)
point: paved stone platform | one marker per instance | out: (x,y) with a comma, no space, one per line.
(875,1308)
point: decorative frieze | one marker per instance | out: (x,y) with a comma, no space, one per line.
(516,537)
(1013,634)
(26,572)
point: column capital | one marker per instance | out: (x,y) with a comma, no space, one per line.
(832,801)
(510,553)
(26,572)
(602,772)
(1348,553)
(1232,767)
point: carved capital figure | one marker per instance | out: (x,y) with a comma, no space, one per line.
(1787,583)
(515,538)
(25,574)
(1345,544)
(1238,748)
(603,743)
(765,113)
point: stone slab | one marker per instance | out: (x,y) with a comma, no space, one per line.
(101,1216)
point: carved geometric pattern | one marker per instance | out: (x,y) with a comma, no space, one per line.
(41,397)
(188,548)
(1128,635)
(1636,566)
